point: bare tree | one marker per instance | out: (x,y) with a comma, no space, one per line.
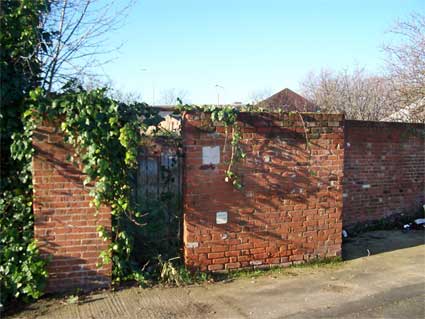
(170,96)
(259,95)
(127,97)
(355,93)
(405,63)
(78,33)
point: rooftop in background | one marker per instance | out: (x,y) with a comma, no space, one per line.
(287,100)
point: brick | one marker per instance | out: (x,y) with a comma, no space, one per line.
(232,265)
(65,224)
(220,260)
(215,267)
(215,255)
(280,213)
(378,169)
(232,253)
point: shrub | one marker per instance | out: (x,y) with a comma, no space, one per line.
(22,271)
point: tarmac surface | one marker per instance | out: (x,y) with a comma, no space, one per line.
(383,276)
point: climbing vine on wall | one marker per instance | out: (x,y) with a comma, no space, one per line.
(105,136)
(22,271)
(227,116)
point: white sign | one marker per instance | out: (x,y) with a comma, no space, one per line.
(221,218)
(193,244)
(210,155)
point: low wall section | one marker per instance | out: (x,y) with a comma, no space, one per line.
(384,170)
(295,199)
(290,207)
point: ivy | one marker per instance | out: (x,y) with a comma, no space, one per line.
(226,115)
(105,135)
(22,271)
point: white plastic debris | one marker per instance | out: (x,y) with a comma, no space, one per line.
(420,221)
(407,226)
(344,233)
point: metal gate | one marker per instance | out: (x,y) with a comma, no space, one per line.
(158,192)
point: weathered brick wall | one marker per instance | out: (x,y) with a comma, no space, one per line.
(289,210)
(290,207)
(384,170)
(65,224)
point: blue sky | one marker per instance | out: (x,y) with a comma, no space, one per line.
(246,46)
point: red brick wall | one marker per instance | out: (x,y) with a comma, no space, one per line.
(289,210)
(65,224)
(290,207)
(384,170)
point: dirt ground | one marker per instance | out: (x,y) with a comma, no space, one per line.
(383,277)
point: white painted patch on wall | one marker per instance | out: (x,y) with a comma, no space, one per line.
(193,244)
(221,218)
(255,262)
(366,186)
(210,155)
(345,195)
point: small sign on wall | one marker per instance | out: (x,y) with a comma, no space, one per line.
(210,155)
(221,218)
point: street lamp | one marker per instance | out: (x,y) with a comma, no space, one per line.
(153,85)
(217,87)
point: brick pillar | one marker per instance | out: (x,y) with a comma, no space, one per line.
(65,224)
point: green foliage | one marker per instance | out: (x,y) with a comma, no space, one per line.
(161,235)
(22,271)
(328,262)
(105,136)
(392,222)
(19,68)
(226,115)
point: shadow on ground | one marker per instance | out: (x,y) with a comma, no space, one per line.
(380,241)
(389,284)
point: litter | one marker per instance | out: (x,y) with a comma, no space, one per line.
(417,224)
(344,233)
(420,221)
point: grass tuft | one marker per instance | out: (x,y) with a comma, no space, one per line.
(290,270)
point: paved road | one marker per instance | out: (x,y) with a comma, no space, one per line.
(390,283)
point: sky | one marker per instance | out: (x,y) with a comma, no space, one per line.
(246,46)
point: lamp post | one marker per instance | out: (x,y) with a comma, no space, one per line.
(217,87)
(153,84)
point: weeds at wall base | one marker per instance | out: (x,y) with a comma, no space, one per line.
(328,262)
(393,222)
